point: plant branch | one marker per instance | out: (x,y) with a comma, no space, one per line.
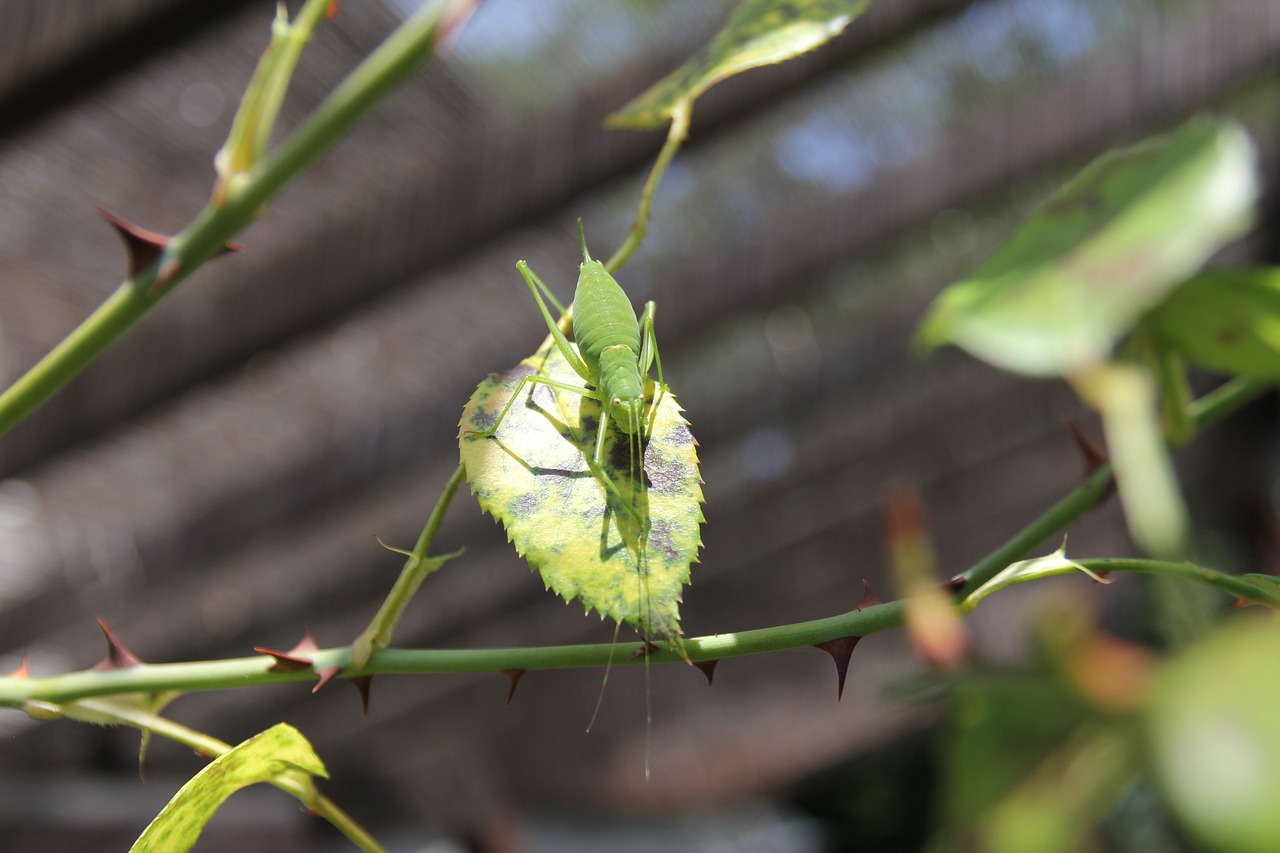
(108,712)
(676,135)
(389,65)
(19,692)
(415,570)
(1208,410)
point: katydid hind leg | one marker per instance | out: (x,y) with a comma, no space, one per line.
(649,343)
(531,379)
(562,343)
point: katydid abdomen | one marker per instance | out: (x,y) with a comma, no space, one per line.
(608,337)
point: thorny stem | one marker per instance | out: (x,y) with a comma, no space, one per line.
(415,570)
(15,692)
(389,65)
(1208,410)
(246,672)
(676,135)
(107,712)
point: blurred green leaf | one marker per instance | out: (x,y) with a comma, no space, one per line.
(1214,739)
(760,32)
(1058,806)
(623,555)
(1001,726)
(1110,245)
(1225,320)
(278,751)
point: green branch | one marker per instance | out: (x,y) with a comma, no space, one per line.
(20,692)
(393,61)
(640,226)
(1204,412)
(415,570)
(113,712)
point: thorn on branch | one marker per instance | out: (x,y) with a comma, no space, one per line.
(23,669)
(118,657)
(1094,457)
(363,684)
(869,598)
(295,659)
(514,675)
(840,649)
(326,674)
(648,648)
(143,247)
(708,668)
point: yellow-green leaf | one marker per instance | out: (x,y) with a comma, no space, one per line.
(595,533)
(760,32)
(278,751)
(1226,320)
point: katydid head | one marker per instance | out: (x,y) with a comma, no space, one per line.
(628,413)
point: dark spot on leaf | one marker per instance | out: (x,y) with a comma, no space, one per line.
(524,506)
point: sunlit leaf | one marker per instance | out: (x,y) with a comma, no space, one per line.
(1226,320)
(595,534)
(760,32)
(1109,246)
(278,751)
(1214,739)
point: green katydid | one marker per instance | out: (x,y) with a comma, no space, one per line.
(615,348)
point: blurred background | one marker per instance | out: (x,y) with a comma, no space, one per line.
(215,482)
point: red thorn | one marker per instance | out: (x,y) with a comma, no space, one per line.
(296,658)
(451,25)
(229,248)
(869,598)
(1094,456)
(23,669)
(1239,602)
(840,649)
(118,657)
(143,246)
(363,683)
(327,674)
(514,675)
(954,585)
(331,11)
(708,668)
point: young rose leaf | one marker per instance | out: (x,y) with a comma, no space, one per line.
(265,757)
(760,32)
(1110,245)
(595,533)
(1225,320)
(1050,565)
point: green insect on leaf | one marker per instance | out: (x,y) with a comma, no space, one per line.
(587,461)
(594,533)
